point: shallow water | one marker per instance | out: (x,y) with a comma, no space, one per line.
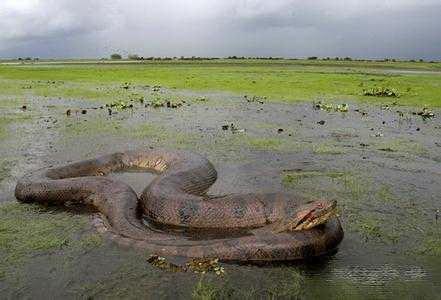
(383,168)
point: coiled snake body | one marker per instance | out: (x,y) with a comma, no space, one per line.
(254,227)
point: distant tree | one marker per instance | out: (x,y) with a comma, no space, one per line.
(20,58)
(133,56)
(115,56)
(421,60)
(28,58)
(347,58)
(312,58)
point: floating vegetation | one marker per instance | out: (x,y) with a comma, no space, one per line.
(381,92)
(119,105)
(331,107)
(137,98)
(159,101)
(425,113)
(233,128)
(195,265)
(257,99)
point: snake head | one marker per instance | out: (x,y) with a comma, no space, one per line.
(309,215)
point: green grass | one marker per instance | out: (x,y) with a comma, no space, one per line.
(284,80)
(29,230)
(92,127)
(401,145)
(326,148)
(293,177)
(5,168)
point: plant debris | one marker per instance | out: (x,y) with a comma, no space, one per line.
(331,107)
(388,149)
(233,128)
(119,105)
(255,99)
(162,102)
(425,113)
(381,92)
(195,265)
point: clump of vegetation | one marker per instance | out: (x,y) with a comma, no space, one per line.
(194,265)
(159,101)
(119,105)
(425,113)
(326,148)
(133,57)
(381,92)
(27,230)
(115,56)
(331,107)
(293,177)
(205,290)
(255,99)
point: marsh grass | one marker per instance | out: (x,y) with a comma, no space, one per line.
(5,168)
(29,230)
(287,81)
(401,145)
(292,177)
(91,127)
(327,148)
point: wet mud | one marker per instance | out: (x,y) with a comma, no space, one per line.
(382,163)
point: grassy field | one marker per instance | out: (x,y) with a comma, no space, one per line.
(417,83)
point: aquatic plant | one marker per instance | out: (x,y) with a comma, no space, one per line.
(381,92)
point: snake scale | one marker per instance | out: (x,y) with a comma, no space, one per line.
(174,210)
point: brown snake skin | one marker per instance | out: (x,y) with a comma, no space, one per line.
(177,200)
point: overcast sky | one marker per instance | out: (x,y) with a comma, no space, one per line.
(289,28)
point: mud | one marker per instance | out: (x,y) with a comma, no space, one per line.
(388,198)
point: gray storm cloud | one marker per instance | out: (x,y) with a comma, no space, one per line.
(290,28)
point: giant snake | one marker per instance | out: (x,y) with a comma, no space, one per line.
(175,216)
